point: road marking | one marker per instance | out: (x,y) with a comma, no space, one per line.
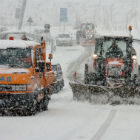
(104,126)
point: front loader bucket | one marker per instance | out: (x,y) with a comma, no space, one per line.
(105,95)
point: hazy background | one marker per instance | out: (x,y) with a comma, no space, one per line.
(108,14)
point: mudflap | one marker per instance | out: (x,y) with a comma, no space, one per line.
(105,95)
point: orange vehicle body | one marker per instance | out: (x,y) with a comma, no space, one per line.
(27,88)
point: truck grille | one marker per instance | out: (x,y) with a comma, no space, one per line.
(12,87)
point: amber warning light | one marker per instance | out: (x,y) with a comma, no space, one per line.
(130,28)
(50,56)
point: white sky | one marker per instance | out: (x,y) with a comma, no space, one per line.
(101,12)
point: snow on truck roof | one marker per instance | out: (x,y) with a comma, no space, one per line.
(4,44)
(113,35)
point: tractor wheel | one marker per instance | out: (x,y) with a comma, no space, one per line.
(90,78)
(43,105)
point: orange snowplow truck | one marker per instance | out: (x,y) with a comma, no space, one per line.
(25,76)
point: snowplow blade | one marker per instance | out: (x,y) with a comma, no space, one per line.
(105,95)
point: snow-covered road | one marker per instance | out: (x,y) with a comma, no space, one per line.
(70,120)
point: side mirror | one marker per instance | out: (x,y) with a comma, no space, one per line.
(50,56)
(36,69)
(41,65)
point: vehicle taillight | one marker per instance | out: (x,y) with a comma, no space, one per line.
(94,63)
(11,38)
(122,73)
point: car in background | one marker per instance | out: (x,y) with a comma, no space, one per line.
(58,75)
(64,40)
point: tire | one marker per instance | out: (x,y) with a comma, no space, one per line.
(139,70)
(86,74)
(43,105)
(58,87)
(62,84)
(90,78)
(30,110)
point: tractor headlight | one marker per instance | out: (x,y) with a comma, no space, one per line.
(95,56)
(134,57)
(90,36)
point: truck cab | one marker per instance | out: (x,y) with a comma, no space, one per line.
(24,78)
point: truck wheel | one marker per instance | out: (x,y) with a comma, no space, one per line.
(44,103)
(58,87)
(62,83)
(86,74)
(139,70)
(30,110)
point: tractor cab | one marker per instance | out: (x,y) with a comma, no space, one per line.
(114,58)
(116,47)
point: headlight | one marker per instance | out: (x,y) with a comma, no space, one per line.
(134,57)
(95,56)
(89,36)
(20,87)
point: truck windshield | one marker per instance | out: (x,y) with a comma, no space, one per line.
(15,57)
(112,47)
